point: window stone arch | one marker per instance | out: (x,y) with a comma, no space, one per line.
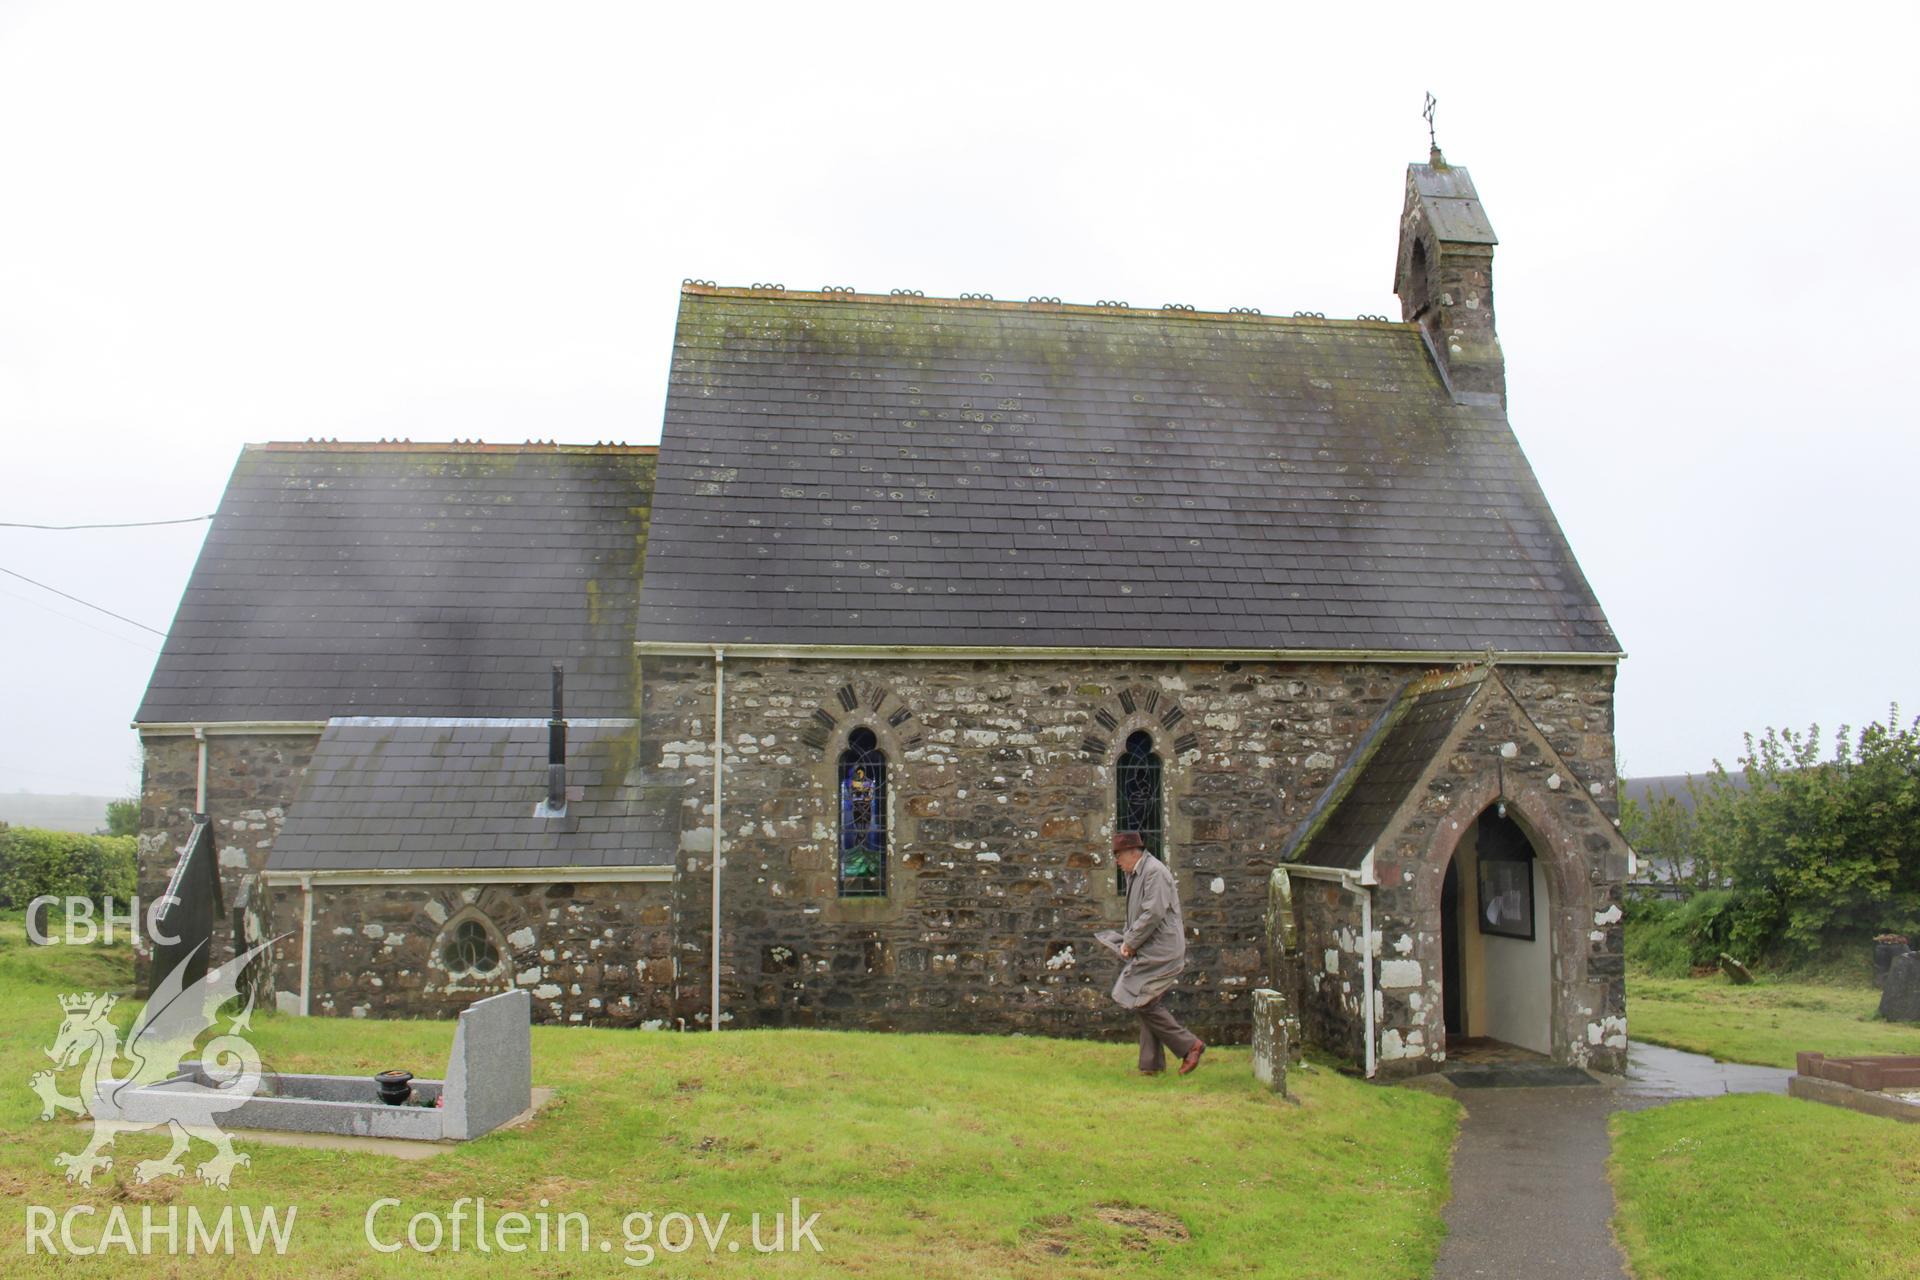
(1176,740)
(873,705)
(821,853)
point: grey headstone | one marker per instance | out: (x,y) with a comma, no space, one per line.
(1736,972)
(490,1075)
(1900,998)
(1272,1043)
(1884,954)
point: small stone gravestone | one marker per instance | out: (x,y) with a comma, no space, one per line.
(1899,999)
(1735,971)
(1275,1039)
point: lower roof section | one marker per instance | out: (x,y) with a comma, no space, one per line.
(1376,780)
(400,797)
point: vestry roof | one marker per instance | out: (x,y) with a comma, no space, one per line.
(1381,773)
(434,795)
(861,470)
(411,580)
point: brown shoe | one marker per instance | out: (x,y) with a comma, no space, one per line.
(1155,1072)
(1192,1059)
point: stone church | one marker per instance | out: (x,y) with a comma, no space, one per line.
(917,602)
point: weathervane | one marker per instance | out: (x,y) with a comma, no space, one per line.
(1426,113)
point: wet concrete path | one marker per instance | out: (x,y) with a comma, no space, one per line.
(1530,1190)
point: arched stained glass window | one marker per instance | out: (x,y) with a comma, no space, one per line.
(1136,788)
(863,817)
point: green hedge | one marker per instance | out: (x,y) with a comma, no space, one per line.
(34,862)
(1672,939)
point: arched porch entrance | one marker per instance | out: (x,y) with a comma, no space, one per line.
(1496,937)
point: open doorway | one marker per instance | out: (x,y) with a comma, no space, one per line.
(1496,942)
(1451,978)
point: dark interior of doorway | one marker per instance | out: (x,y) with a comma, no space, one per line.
(1450,963)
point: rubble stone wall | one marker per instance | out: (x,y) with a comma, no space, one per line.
(595,953)
(1000,811)
(251,782)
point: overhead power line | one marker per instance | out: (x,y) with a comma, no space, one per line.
(129,524)
(79,622)
(77,600)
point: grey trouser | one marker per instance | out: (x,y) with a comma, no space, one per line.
(1158,1029)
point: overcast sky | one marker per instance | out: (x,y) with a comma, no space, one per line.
(232,223)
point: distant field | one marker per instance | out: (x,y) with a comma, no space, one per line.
(85,814)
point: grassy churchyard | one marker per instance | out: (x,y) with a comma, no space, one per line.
(924,1155)
(1756,1185)
(933,1155)
(1766,1023)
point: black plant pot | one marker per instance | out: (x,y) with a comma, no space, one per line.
(396,1087)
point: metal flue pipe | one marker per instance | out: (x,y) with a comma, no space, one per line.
(557,746)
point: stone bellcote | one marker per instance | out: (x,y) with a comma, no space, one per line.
(1444,275)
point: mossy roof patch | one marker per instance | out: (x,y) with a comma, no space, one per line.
(862,470)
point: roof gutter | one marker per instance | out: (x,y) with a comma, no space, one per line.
(1424,657)
(1360,883)
(205,728)
(342,877)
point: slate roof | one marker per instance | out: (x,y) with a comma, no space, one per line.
(411,580)
(424,794)
(1376,780)
(853,469)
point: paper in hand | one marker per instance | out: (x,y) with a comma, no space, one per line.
(1110,939)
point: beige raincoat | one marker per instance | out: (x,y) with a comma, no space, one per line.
(1154,934)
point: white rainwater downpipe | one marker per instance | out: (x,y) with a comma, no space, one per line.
(200,785)
(306,946)
(1366,959)
(719,746)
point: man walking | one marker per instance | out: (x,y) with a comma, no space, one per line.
(1154,947)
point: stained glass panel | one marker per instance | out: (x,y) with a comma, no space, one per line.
(863,817)
(1136,785)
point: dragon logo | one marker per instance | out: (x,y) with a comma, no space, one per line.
(156,1090)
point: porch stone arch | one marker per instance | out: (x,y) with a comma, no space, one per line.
(1572,839)
(1531,807)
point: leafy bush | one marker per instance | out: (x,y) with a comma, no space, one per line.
(34,862)
(1663,832)
(123,817)
(1820,851)
(1820,854)
(1672,939)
